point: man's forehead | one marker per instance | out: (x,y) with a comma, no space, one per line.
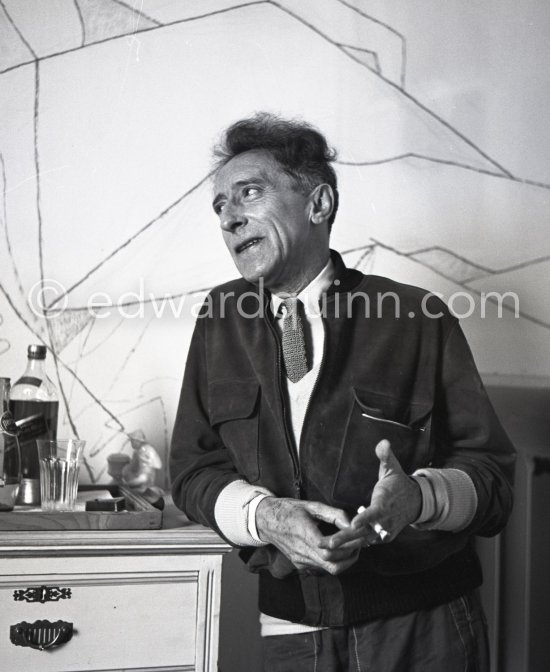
(254,164)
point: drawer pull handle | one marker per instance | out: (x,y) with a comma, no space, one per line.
(41,635)
(42,594)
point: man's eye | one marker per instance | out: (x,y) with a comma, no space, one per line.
(251,191)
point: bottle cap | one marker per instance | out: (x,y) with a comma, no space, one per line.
(37,352)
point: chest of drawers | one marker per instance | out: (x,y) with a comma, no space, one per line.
(128,600)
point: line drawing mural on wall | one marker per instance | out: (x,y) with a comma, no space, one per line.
(111,108)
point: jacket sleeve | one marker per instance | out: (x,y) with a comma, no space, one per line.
(200,465)
(469,436)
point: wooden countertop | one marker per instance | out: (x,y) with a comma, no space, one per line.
(177,535)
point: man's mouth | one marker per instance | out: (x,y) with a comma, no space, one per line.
(247,244)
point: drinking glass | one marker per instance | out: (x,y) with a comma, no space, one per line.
(59,466)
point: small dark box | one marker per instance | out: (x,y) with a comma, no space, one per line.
(114,504)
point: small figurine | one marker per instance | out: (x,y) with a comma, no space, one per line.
(115,464)
(139,473)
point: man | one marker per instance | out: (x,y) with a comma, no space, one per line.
(343,440)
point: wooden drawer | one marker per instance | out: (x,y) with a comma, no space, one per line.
(127,613)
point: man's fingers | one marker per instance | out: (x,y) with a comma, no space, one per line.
(343,537)
(333,562)
(337,566)
(365,527)
(329,514)
(341,553)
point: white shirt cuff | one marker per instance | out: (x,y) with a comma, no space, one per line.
(449,499)
(252,529)
(232,512)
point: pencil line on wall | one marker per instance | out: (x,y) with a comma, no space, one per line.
(445,162)
(391,29)
(145,29)
(458,282)
(18,31)
(344,49)
(9,249)
(138,12)
(82,24)
(128,241)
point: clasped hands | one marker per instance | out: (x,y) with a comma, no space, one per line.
(292,525)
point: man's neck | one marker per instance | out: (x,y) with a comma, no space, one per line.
(298,284)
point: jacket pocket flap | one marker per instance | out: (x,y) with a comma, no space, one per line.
(232,400)
(402,412)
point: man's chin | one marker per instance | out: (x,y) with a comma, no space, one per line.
(255,279)
(257,276)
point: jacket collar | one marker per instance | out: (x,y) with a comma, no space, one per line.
(311,295)
(344,279)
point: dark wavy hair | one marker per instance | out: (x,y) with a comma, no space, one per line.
(299,148)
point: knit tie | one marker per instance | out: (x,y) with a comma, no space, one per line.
(293,342)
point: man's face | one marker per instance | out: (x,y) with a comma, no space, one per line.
(264,220)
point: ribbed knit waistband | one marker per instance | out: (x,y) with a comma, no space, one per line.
(355,597)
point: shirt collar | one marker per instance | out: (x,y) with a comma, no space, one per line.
(310,296)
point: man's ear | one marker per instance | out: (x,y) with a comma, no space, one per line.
(321,204)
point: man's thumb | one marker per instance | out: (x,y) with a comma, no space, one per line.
(389,464)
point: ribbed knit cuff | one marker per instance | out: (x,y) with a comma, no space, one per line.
(427,512)
(232,512)
(449,499)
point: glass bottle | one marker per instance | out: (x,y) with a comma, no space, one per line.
(34,405)
(10,457)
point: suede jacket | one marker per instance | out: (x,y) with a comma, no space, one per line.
(396,365)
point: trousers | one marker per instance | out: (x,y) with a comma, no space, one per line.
(449,638)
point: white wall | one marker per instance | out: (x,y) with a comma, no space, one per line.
(107,117)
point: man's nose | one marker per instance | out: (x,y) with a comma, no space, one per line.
(232,217)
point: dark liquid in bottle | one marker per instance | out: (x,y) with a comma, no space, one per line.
(21,409)
(8,492)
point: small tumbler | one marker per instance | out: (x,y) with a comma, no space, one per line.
(59,465)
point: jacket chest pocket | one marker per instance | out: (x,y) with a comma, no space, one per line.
(371,418)
(234,413)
